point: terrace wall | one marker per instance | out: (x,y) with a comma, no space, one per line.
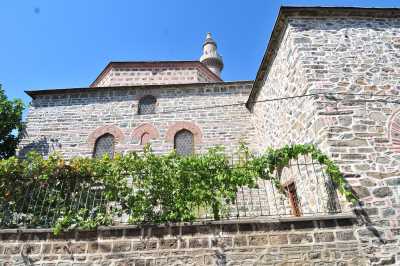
(274,242)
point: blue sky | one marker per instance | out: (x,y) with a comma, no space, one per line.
(66,43)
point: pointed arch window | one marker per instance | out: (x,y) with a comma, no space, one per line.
(184,142)
(105,144)
(147,105)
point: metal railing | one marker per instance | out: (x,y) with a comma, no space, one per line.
(39,204)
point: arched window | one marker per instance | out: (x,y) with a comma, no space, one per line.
(104,145)
(147,105)
(184,142)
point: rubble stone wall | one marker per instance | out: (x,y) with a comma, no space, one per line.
(357,59)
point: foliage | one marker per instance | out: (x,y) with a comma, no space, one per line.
(274,160)
(11,124)
(149,188)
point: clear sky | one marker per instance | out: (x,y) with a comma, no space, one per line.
(66,43)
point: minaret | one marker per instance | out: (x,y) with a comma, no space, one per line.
(210,56)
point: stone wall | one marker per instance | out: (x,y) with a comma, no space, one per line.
(69,122)
(279,242)
(353,56)
(286,121)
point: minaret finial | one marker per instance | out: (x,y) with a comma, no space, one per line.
(210,56)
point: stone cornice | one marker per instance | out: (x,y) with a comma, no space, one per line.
(35,93)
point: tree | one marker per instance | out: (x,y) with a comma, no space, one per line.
(11,125)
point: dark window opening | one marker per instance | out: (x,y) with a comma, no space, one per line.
(147,105)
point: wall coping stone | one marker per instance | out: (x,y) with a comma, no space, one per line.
(263,220)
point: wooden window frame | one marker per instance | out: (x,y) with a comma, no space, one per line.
(291,190)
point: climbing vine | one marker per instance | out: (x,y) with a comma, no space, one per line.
(274,160)
(145,187)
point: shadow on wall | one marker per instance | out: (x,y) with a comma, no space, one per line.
(43,146)
(363,217)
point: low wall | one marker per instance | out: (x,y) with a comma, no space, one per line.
(295,241)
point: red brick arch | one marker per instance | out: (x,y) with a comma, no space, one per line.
(145,128)
(111,129)
(192,127)
(394,131)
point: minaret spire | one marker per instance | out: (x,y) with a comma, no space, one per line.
(210,56)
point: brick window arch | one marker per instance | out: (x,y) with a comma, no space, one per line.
(147,105)
(394,131)
(145,132)
(113,130)
(184,142)
(190,126)
(145,138)
(104,144)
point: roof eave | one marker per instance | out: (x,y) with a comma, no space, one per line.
(34,93)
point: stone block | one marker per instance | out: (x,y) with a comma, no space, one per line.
(121,246)
(138,245)
(324,237)
(61,248)
(168,243)
(31,248)
(262,240)
(104,247)
(198,243)
(278,239)
(300,238)
(345,235)
(12,249)
(159,232)
(133,232)
(78,248)
(221,242)
(111,233)
(382,192)
(240,241)
(82,235)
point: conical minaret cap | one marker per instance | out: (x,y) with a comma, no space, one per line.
(209,39)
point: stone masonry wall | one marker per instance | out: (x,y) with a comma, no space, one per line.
(70,122)
(352,56)
(292,242)
(287,121)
